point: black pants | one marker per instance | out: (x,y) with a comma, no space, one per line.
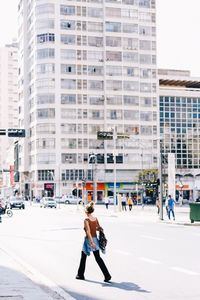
(99,260)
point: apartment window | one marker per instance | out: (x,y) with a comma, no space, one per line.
(114,100)
(68,39)
(145,45)
(44,175)
(45,128)
(68,113)
(95,70)
(67,10)
(113,56)
(46,83)
(113,70)
(130,85)
(114,12)
(130,28)
(68,99)
(115,85)
(145,59)
(46,113)
(69,158)
(96,114)
(68,128)
(114,114)
(145,87)
(144,3)
(68,69)
(45,9)
(131,114)
(145,30)
(94,12)
(95,41)
(46,158)
(113,27)
(130,71)
(146,116)
(45,68)
(45,143)
(68,54)
(68,24)
(45,24)
(45,38)
(95,55)
(95,27)
(130,44)
(45,53)
(95,85)
(130,56)
(45,98)
(145,16)
(145,102)
(68,83)
(129,13)
(96,100)
(113,41)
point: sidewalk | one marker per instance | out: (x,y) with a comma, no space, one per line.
(21,283)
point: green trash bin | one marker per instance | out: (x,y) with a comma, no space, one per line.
(194,212)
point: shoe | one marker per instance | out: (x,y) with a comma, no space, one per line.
(80,277)
(107,279)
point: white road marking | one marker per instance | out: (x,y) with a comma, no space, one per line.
(123,252)
(186,271)
(149,260)
(152,237)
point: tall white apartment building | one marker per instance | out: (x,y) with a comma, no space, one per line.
(86,66)
(8,97)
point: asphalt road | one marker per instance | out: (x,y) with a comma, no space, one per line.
(148,259)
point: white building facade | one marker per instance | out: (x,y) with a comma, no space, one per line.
(179,98)
(8,105)
(86,67)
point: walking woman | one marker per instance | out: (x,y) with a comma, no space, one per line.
(91,243)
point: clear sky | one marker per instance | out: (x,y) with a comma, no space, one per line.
(178,32)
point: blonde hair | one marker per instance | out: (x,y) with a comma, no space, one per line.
(89,208)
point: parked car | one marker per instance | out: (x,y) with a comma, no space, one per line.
(16,202)
(48,202)
(71,199)
(149,200)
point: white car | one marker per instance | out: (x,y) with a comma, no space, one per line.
(48,202)
(71,199)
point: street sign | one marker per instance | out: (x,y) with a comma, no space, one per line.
(16,132)
(104,135)
(2,131)
(122,136)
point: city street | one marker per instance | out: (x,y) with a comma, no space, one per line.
(148,259)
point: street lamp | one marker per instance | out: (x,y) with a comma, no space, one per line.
(93,156)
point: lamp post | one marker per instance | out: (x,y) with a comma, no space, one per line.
(93,156)
(53,177)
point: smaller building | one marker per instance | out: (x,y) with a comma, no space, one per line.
(179,100)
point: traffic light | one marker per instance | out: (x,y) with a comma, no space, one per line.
(16,132)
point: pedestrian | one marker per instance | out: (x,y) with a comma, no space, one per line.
(158,205)
(91,244)
(106,201)
(124,203)
(130,203)
(171,203)
(166,205)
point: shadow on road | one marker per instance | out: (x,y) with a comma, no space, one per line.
(127,286)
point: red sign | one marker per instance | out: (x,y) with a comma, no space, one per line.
(49,186)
